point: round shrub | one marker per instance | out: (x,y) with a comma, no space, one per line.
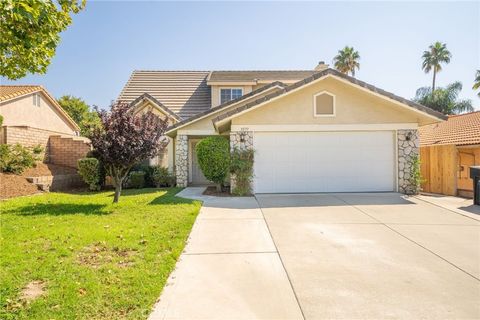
(162,177)
(136,179)
(88,169)
(213,155)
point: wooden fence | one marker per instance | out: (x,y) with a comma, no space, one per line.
(439,166)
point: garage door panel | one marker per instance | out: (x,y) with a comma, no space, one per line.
(324,161)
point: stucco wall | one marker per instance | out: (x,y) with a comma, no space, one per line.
(22,112)
(352,106)
(216,92)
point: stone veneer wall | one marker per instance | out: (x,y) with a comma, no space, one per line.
(181,160)
(407,149)
(235,142)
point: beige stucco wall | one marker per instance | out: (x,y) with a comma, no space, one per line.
(22,112)
(216,92)
(206,123)
(353,106)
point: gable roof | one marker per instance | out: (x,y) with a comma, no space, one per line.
(14,91)
(260,75)
(10,92)
(185,93)
(385,94)
(226,105)
(157,103)
(461,129)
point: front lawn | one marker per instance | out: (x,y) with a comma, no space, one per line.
(87,257)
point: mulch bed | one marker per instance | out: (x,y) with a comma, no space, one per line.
(212,191)
(12,185)
(47,169)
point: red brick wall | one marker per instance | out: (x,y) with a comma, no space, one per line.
(66,150)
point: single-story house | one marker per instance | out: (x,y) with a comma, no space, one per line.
(312,130)
(447,150)
(32,117)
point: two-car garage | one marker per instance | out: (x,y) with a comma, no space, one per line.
(332,161)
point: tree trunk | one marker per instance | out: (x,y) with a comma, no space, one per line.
(219,187)
(118,191)
(433,83)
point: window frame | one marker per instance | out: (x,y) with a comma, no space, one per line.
(333,114)
(228,88)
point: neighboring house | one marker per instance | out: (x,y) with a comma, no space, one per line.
(312,130)
(447,150)
(31,117)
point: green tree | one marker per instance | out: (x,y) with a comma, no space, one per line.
(346,61)
(81,113)
(476,84)
(436,54)
(445,99)
(30,33)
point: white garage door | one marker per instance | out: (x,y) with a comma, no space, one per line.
(324,161)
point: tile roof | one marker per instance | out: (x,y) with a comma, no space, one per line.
(13,91)
(321,74)
(265,75)
(461,129)
(186,93)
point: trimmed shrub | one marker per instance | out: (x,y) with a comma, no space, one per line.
(37,150)
(241,167)
(136,179)
(89,170)
(16,158)
(148,170)
(163,178)
(213,155)
(102,172)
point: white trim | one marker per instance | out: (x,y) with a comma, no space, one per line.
(318,80)
(324,127)
(222,109)
(231,88)
(232,83)
(315,105)
(197,132)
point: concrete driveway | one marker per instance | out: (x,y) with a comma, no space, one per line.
(326,256)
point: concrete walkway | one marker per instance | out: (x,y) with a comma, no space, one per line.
(327,256)
(230,268)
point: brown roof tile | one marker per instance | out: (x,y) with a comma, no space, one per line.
(186,93)
(461,129)
(261,75)
(13,91)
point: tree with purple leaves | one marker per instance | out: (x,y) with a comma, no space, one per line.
(126,139)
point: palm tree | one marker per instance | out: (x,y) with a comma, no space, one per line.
(476,84)
(436,54)
(445,99)
(346,61)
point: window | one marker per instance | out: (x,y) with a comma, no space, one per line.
(230,94)
(324,104)
(36,99)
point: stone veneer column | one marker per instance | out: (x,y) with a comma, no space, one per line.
(408,146)
(236,142)
(181,160)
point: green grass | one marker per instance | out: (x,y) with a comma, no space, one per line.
(98,260)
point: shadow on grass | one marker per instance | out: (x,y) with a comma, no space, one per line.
(169,198)
(57,209)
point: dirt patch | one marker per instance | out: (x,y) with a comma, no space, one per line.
(47,169)
(98,254)
(12,185)
(212,191)
(33,290)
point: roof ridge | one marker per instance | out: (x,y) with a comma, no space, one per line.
(270,70)
(21,85)
(463,114)
(161,70)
